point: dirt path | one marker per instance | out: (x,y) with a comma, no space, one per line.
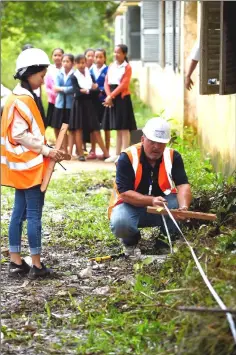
(74,166)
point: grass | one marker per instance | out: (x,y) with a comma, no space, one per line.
(139,313)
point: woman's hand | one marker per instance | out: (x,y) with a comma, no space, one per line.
(57,89)
(84,91)
(56,155)
(108,102)
(94,86)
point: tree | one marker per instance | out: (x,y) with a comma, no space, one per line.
(72,25)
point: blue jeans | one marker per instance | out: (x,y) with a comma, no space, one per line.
(126,219)
(28,206)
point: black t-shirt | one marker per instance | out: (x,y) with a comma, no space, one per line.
(125,174)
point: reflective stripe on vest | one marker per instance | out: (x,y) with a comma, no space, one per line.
(20,167)
(164,177)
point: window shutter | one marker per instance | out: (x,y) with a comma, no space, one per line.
(228,48)
(133,19)
(210,47)
(169,34)
(150,16)
(177,35)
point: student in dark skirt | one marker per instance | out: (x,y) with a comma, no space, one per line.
(50,80)
(89,55)
(98,72)
(64,99)
(119,113)
(83,112)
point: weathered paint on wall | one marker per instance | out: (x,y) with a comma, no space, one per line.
(162,89)
(217,129)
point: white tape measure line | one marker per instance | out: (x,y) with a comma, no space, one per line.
(167,232)
(207,282)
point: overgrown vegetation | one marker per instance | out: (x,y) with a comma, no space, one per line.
(125,307)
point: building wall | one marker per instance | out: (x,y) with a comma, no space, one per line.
(213,116)
(160,88)
(217,129)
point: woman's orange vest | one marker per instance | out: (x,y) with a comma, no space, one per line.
(164,177)
(21,168)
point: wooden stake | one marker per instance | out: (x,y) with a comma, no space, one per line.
(52,163)
(185,214)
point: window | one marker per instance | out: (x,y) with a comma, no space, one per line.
(172,34)
(150,31)
(218,48)
(133,28)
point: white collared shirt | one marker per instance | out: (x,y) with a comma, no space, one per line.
(66,76)
(97,71)
(84,80)
(116,72)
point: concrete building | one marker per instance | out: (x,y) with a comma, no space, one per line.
(160,36)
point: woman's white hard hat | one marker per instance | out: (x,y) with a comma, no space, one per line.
(157,129)
(30,57)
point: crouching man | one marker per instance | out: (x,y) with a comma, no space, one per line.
(148,174)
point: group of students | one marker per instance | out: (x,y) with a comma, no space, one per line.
(89,96)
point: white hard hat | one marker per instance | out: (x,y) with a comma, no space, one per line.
(30,57)
(157,130)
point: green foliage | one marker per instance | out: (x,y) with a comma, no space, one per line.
(71,25)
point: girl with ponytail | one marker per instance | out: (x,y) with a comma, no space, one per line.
(119,115)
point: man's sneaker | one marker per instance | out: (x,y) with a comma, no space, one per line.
(36,272)
(132,251)
(15,270)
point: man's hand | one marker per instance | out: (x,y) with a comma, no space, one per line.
(188,83)
(56,155)
(158,201)
(181,217)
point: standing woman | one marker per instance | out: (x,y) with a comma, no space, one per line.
(50,80)
(64,99)
(89,55)
(23,161)
(98,73)
(119,115)
(83,112)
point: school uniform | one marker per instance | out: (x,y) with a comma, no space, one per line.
(98,76)
(50,80)
(83,112)
(64,99)
(121,115)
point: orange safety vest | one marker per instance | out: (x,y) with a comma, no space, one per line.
(21,168)
(164,177)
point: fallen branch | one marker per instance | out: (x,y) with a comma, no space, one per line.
(175,290)
(204,309)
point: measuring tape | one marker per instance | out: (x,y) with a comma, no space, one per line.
(206,280)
